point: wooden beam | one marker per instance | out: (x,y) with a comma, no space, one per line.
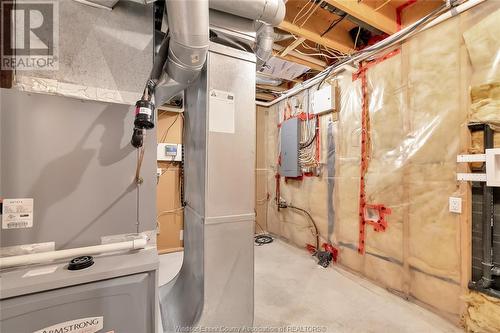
(170,250)
(296,80)
(292,46)
(343,41)
(264,97)
(305,57)
(384,19)
(273,88)
(418,10)
(300,61)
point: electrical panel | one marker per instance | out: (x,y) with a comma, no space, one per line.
(169,152)
(290,141)
(324,100)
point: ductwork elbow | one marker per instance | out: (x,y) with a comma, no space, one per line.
(189,39)
(271,12)
(187,46)
(264,45)
(274,12)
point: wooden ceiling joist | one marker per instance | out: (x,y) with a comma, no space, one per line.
(264,97)
(383,19)
(272,88)
(293,45)
(342,42)
(300,60)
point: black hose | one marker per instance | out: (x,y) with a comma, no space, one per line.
(312,222)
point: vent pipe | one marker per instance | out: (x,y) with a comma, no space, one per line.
(187,47)
(188,39)
(261,79)
(271,12)
(264,45)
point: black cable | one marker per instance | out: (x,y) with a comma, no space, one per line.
(312,222)
(333,25)
(263,240)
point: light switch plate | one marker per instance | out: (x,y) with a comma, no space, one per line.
(455,205)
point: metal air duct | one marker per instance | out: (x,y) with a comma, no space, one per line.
(264,45)
(271,12)
(261,79)
(187,47)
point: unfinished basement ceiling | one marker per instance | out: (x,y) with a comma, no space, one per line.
(318,33)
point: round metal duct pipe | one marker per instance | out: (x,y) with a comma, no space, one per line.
(271,12)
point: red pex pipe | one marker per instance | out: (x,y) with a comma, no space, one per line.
(380,224)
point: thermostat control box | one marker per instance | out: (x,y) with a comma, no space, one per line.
(169,152)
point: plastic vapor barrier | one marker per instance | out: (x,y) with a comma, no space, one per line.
(421,96)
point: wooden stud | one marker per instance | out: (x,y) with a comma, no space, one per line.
(465,188)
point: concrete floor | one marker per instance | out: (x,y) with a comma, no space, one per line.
(292,290)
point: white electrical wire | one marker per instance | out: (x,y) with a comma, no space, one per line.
(398,37)
(316,54)
(301,9)
(312,12)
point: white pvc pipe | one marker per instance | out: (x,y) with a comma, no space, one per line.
(391,39)
(38,258)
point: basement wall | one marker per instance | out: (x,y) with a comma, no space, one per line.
(419,107)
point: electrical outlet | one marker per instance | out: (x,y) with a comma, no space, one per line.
(455,205)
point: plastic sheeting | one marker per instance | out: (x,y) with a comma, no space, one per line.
(482,42)
(288,223)
(415,123)
(420,102)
